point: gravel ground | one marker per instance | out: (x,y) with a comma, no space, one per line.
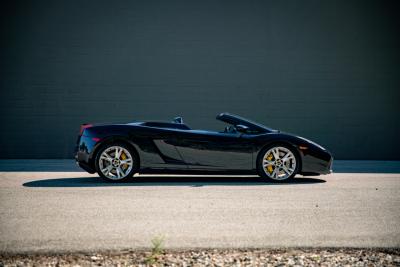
(215,257)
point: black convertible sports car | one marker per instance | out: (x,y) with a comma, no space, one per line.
(117,151)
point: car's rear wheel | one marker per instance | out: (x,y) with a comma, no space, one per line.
(278,163)
(116,162)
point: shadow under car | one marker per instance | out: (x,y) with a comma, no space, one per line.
(186,180)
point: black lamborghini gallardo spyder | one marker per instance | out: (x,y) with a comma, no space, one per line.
(118,151)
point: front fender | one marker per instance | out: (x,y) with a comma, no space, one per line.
(313,158)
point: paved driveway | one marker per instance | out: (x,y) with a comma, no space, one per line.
(45,210)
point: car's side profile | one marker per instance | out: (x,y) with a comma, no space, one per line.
(118,151)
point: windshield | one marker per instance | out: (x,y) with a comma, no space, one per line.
(236,120)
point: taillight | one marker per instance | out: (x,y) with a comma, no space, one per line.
(83,127)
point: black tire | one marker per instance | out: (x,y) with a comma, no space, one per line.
(127,176)
(263,173)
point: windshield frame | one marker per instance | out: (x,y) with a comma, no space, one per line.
(236,120)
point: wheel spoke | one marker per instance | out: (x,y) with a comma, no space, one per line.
(107,157)
(286,170)
(110,173)
(276,153)
(107,170)
(274,173)
(121,171)
(127,161)
(118,152)
(288,156)
(267,162)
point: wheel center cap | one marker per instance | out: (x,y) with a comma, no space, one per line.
(116,162)
(278,162)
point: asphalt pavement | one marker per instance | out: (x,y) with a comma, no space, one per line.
(50,205)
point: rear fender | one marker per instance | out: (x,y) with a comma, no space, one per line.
(114,139)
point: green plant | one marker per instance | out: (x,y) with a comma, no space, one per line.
(156,249)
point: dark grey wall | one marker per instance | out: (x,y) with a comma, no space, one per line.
(326,70)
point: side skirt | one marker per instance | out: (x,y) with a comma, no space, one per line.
(198,172)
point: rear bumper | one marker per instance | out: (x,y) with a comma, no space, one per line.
(83,153)
(86,167)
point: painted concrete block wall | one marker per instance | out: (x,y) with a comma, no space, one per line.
(326,70)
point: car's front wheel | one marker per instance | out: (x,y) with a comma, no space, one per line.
(116,162)
(278,163)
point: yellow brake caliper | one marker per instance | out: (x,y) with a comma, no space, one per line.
(123,157)
(269,167)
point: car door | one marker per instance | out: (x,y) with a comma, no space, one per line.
(158,147)
(215,151)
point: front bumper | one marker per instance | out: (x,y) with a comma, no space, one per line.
(317,162)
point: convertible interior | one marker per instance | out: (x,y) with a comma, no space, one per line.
(177,123)
(228,129)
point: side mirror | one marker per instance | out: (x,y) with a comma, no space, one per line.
(241,128)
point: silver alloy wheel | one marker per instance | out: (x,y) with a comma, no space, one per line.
(115,162)
(279,163)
